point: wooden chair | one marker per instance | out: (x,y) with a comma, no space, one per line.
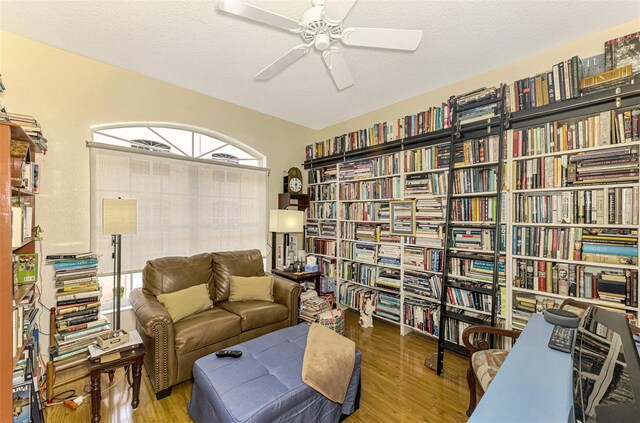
(485,362)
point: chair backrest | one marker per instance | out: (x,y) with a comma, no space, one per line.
(234,263)
(170,274)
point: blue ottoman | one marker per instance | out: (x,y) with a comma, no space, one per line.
(265,384)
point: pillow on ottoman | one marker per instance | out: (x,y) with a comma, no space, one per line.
(184,303)
(251,288)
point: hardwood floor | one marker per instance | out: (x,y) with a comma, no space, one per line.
(396,385)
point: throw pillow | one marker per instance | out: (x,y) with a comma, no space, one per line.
(184,303)
(251,288)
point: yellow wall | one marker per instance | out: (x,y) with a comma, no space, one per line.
(585,47)
(69,93)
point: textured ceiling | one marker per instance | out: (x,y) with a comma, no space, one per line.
(193,45)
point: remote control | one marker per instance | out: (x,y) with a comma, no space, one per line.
(561,339)
(229,353)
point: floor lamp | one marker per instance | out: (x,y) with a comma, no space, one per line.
(119,217)
(284,221)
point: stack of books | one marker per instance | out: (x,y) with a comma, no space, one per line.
(389,255)
(31,127)
(77,316)
(311,305)
(477,105)
(421,284)
(389,278)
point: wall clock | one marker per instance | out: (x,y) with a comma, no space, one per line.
(295,180)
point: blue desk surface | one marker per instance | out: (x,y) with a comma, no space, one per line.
(534,384)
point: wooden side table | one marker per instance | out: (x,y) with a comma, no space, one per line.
(133,358)
(300,276)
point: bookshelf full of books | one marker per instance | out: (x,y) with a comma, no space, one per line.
(425,180)
(19,292)
(321,227)
(563,222)
(369,256)
(574,207)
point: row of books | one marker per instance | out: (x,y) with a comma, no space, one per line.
(474,180)
(427,158)
(610,166)
(525,304)
(469,299)
(26,400)
(430,120)
(371,190)
(606,128)
(476,270)
(478,209)
(422,284)
(565,80)
(379,166)
(77,314)
(322,211)
(372,232)
(420,258)
(422,315)
(428,235)
(560,83)
(353,295)
(578,281)
(613,246)
(325,192)
(323,175)
(364,211)
(328,267)
(24,320)
(476,151)
(327,229)
(425,183)
(370,275)
(21,220)
(602,206)
(326,247)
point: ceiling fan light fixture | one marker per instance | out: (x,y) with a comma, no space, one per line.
(323,41)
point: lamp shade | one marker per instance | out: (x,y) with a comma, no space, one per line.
(119,217)
(286,221)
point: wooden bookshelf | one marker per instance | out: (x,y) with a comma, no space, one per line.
(8,294)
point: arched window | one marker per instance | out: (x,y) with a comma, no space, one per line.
(196,190)
(181,140)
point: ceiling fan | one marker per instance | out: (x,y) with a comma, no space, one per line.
(321,27)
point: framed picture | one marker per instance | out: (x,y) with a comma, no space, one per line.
(402,217)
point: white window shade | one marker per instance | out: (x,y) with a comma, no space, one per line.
(184,207)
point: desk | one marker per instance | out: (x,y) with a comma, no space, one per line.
(534,383)
(300,277)
(134,358)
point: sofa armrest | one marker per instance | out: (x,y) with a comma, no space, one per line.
(287,293)
(158,333)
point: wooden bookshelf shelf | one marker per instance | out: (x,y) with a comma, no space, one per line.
(21,291)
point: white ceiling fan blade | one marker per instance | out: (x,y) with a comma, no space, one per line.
(399,39)
(337,68)
(255,13)
(283,62)
(334,11)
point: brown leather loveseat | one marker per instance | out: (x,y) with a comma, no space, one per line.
(173,348)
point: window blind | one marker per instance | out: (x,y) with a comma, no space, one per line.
(184,207)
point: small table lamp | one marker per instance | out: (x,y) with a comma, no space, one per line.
(284,221)
(119,217)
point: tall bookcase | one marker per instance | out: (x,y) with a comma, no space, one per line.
(423,175)
(321,229)
(11,295)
